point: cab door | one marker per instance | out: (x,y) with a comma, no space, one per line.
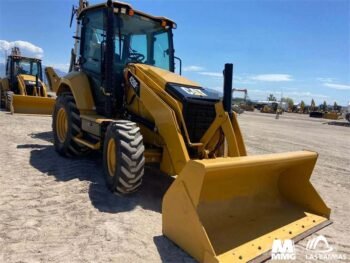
(92,45)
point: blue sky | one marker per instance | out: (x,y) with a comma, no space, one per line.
(300,49)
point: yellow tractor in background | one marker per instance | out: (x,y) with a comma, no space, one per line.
(123,97)
(245,104)
(23,89)
(272,107)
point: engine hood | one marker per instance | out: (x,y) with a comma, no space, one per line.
(162,77)
(179,87)
(29,80)
(27,77)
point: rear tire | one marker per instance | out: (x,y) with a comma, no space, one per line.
(2,97)
(123,157)
(66,125)
(9,102)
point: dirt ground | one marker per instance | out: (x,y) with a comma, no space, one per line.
(54,209)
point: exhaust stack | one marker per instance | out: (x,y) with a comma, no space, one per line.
(227,99)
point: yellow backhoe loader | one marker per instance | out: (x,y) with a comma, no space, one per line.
(22,90)
(272,107)
(245,104)
(122,97)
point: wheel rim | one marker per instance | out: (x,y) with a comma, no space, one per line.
(61,125)
(111,157)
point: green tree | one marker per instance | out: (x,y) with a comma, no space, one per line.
(313,105)
(324,106)
(335,106)
(302,106)
(271,97)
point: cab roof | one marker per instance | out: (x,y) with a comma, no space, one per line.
(24,58)
(128,8)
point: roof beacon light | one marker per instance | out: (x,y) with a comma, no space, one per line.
(164,23)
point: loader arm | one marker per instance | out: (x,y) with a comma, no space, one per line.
(167,125)
(166,112)
(52,78)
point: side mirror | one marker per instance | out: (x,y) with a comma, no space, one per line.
(180,64)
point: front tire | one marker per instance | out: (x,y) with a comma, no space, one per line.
(66,124)
(123,157)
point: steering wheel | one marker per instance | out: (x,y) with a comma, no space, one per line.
(137,57)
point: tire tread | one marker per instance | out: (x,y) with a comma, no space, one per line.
(131,156)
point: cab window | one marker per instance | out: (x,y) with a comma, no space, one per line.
(161,50)
(138,45)
(93,38)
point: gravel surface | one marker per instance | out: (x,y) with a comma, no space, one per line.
(54,209)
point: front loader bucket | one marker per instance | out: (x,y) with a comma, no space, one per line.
(231,209)
(32,104)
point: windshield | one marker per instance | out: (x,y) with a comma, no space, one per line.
(140,39)
(136,38)
(26,67)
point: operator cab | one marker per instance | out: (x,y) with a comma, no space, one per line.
(17,65)
(137,38)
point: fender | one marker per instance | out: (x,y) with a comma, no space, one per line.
(78,84)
